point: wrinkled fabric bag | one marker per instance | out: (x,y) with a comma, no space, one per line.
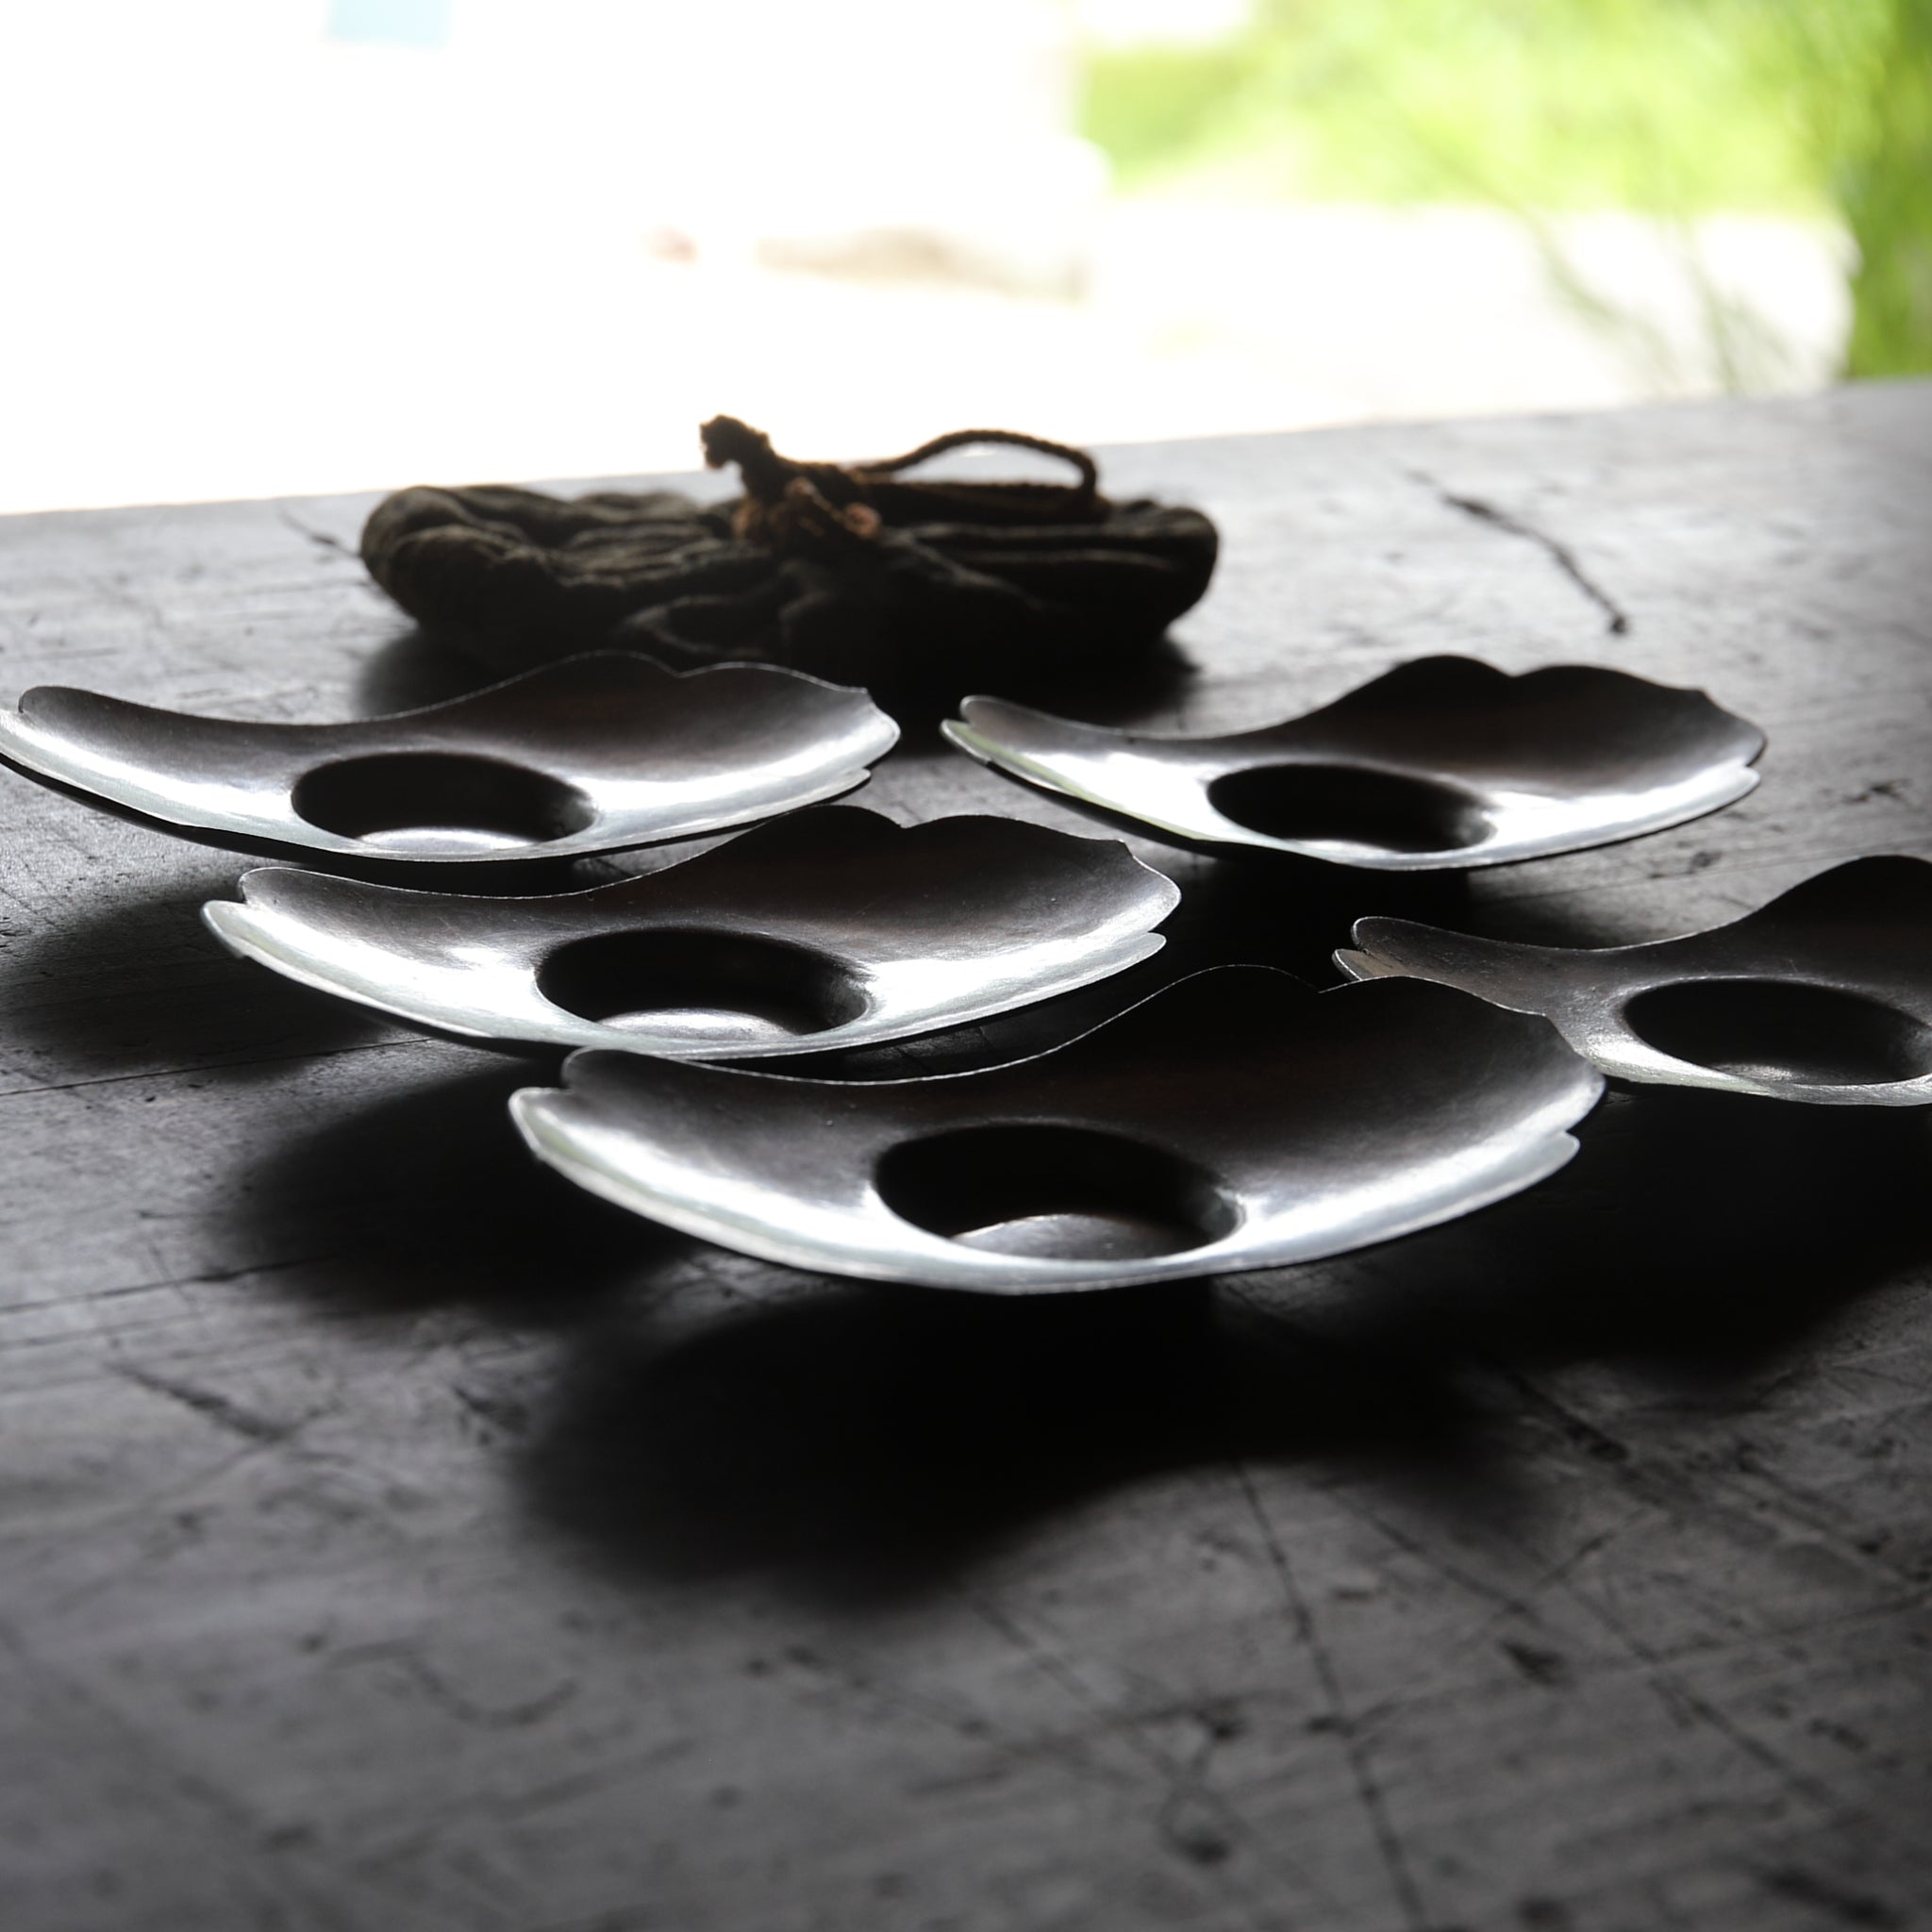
(855,574)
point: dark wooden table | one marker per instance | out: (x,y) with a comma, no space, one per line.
(395,1539)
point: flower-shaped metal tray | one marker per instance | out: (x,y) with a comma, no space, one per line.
(832,928)
(1441,763)
(1234,1120)
(1824,995)
(595,754)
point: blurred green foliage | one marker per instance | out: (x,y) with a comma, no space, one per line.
(1879,143)
(1674,107)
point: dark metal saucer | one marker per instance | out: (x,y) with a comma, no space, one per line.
(1822,995)
(595,754)
(1235,1120)
(831,928)
(1441,763)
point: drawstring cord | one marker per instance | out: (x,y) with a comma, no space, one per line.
(828,506)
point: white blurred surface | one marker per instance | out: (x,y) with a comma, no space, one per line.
(242,258)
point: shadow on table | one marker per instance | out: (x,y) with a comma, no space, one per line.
(429,1199)
(413,668)
(416,668)
(1138,687)
(1702,1238)
(139,983)
(862,1442)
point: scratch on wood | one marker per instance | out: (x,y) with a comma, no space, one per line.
(1374,1807)
(1848,1906)
(1525,1607)
(153,1074)
(321,538)
(1617,618)
(1579,1431)
(219,1409)
(162,1772)
(406,1658)
(1691,1707)
(1194,1819)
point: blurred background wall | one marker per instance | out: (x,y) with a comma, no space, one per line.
(259,246)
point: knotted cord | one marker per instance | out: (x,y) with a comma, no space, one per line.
(792,504)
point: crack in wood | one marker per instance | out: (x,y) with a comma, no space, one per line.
(1617,620)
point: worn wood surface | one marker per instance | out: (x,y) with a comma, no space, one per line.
(394,1538)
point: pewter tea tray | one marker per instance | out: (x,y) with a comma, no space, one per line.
(1441,763)
(1235,1120)
(595,754)
(833,928)
(1823,995)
